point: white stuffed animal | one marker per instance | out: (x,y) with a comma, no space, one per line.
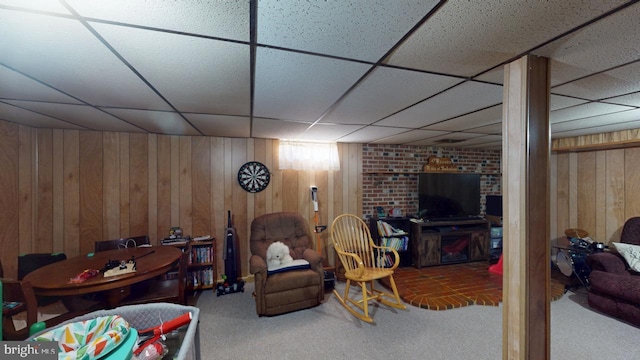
(278,254)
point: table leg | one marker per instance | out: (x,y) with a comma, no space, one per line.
(115,296)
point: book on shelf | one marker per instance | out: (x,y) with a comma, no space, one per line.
(200,277)
(385,229)
(385,259)
(399,243)
(201,255)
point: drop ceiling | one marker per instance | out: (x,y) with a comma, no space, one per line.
(370,71)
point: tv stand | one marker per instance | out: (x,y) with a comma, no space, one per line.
(448,242)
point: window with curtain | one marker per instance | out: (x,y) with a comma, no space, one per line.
(297,155)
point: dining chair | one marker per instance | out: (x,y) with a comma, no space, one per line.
(132,241)
(18,298)
(364,263)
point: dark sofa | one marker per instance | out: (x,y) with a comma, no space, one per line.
(614,288)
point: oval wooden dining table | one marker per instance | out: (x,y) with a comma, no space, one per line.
(54,279)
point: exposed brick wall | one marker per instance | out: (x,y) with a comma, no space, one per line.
(400,189)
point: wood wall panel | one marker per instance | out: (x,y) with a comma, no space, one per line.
(614,194)
(185,187)
(91,197)
(26,167)
(553,190)
(573,189)
(239,198)
(560,201)
(260,199)
(250,201)
(9,198)
(164,177)
(111,180)
(600,198)
(289,190)
(632,181)
(44,234)
(58,191)
(174,190)
(125,178)
(138,185)
(601,195)
(153,186)
(586,194)
(218,210)
(201,184)
(114,183)
(71,199)
(276,179)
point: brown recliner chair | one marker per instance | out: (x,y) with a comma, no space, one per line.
(290,290)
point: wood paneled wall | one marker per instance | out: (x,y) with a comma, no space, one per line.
(61,190)
(594,190)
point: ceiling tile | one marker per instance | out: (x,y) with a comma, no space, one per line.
(188,71)
(159,122)
(557,102)
(595,130)
(75,62)
(227,19)
(360,29)
(490,140)
(21,116)
(447,139)
(327,132)
(278,129)
(600,46)
(371,134)
(469,37)
(459,100)
(631,100)
(489,129)
(38,5)
(472,120)
(301,87)
(596,121)
(620,81)
(14,85)
(409,136)
(81,115)
(584,110)
(385,91)
(495,76)
(220,125)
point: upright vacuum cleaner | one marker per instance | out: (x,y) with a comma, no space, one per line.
(230,283)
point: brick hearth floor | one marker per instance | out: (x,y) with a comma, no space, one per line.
(456,285)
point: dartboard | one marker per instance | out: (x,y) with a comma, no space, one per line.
(253,176)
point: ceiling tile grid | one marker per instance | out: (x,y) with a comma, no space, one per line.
(368,71)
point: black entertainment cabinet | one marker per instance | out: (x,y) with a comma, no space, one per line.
(449,242)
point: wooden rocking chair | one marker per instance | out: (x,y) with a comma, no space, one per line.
(364,263)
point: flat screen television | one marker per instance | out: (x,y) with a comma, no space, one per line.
(445,196)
